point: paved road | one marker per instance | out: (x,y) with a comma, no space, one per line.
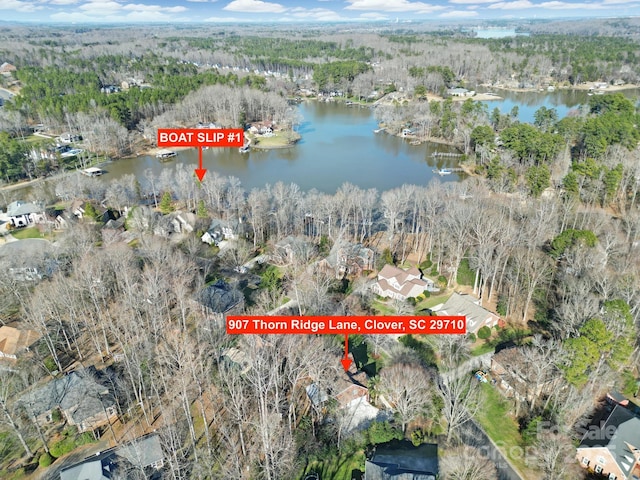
(5,94)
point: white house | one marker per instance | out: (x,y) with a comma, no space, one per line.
(22,213)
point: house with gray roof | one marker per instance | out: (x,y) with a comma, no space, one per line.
(467,306)
(613,449)
(83,401)
(221,297)
(403,461)
(22,213)
(144,454)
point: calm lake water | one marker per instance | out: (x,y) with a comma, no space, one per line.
(338,145)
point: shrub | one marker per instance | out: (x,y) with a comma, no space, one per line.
(62,447)
(418,437)
(84,439)
(426,294)
(442,281)
(50,364)
(56,415)
(471,337)
(484,333)
(382,432)
(45,460)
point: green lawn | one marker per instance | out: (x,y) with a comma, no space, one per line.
(22,233)
(432,301)
(482,347)
(382,308)
(500,426)
(336,468)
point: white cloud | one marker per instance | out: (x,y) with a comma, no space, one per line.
(254,6)
(515,5)
(470,2)
(459,14)
(111,11)
(63,2)
(392,6)
(138,7)
(555,5)
(202,1)
(320,14)
(19,6)
(373,16)
(227,19)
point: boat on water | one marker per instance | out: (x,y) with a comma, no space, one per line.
(378,130)
(445,171)
(164,155)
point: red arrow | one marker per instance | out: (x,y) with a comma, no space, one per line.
(346,361)
(200,171)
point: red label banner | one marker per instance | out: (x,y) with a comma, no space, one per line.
(401,325)
(200,137)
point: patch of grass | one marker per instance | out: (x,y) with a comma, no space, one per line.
(22,233)
(481,348)
(432,301)
(338,467)
(500,426)
(465,276)
(382,308)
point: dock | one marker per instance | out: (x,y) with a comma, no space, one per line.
(447,154)
(165,154)
(92,172)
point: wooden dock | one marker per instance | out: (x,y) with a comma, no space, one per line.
(447,154)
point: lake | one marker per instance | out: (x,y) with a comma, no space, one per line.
(338,145)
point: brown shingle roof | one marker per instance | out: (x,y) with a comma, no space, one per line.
(13,340)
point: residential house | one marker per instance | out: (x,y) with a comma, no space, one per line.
(394,282)
(143,454)
(235,358)
(348,259)
(14,341)
(221,298)
(291,248)
(29,259)
(350,391)
(401,460)
(6,68)
(83,401)
(220,230)
(612,449)
(467,306)
(460,92)
(515,376)
(22,213)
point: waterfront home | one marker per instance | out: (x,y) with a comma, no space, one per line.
(347,258)
(7,68)
(460,92)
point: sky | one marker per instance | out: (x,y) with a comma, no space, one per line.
(234,11)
